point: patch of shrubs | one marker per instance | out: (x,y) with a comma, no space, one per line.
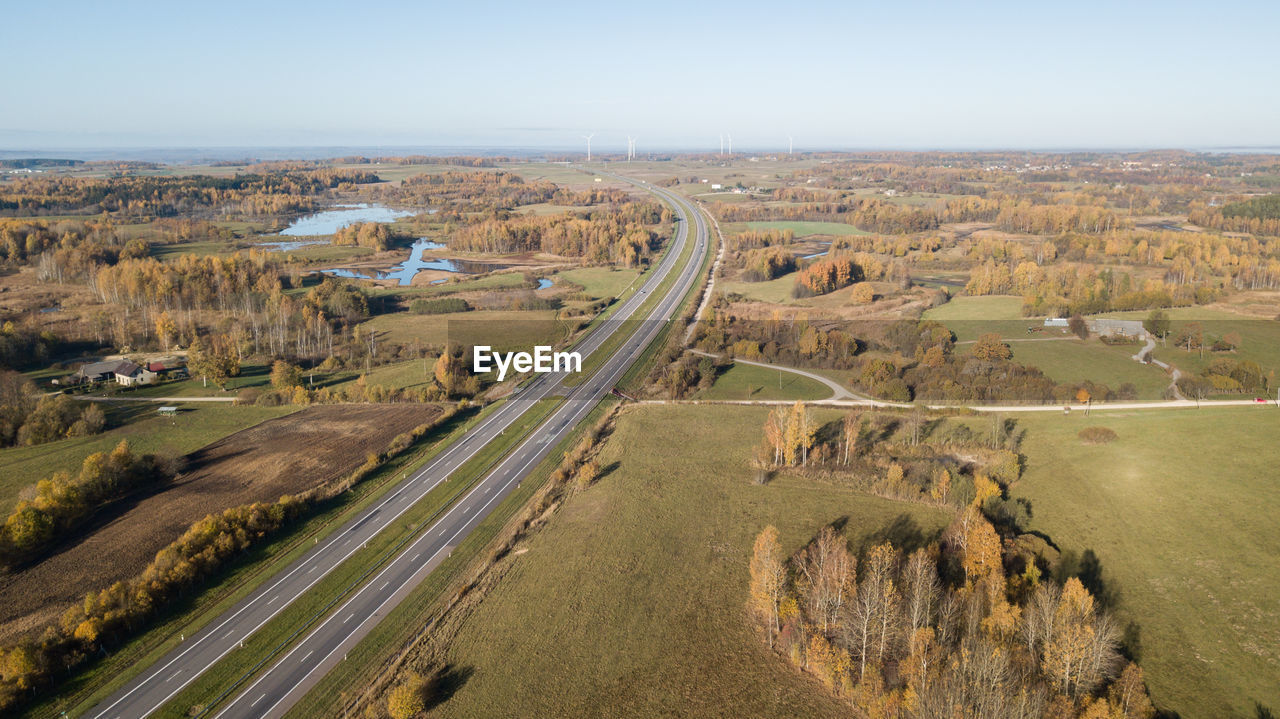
(440,306)
(1097,435)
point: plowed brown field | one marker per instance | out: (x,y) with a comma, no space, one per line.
(288,455)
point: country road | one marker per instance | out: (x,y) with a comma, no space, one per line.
(1101,407)
(323,642)
(838,391)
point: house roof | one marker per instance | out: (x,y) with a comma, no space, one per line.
(128,369)
(93,369)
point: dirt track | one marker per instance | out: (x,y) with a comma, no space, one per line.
(281,456)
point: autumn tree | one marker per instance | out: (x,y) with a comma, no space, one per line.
(826,577)
(408,698)
(850,429)
(218,361)
(1080,651)
(768,576)
(872,623)
(864,293)
(165,329)
(1156,323)
(285,375)
(991,347)
(789,434)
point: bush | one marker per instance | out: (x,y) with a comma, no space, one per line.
(408,698)
(248,395)
(1097,435)
(863,293)
(441,306)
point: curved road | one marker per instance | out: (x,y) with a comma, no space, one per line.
(280,686)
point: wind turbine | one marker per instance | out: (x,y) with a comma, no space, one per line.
(730,136)
(588,139)
(722,144)
(791,145)
(631,147)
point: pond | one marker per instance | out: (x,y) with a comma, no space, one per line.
(330,221)
(817,254)
(543,283)
(404,272)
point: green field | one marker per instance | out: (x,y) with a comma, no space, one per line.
(1259,338)
(1071,360)
(808,229)
(631,602)
(986,307)
(775,291)
(969,317)
(601,281)
(1181,512)
(744,381)
(196,425)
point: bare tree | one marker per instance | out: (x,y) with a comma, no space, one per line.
(827,576)
(921,588)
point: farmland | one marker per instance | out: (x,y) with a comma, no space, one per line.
(258,464)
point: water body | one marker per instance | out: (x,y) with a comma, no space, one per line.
(817,254)
(543,283)
(404,272)
(330,221)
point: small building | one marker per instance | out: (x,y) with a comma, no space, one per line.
(129,374)
(168,411)
(166,368)
(1055,322)
(100,371)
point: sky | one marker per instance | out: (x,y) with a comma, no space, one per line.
(676,75)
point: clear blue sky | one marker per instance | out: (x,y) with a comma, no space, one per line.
(675,74)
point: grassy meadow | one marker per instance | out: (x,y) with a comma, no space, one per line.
(808,229)
(601,281)
(631,602)
(1180,511)
(744,381)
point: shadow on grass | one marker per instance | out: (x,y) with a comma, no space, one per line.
(904,533)
(445,684)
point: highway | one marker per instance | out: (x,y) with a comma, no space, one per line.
(279,687)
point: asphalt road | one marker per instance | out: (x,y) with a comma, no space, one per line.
(278,688)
